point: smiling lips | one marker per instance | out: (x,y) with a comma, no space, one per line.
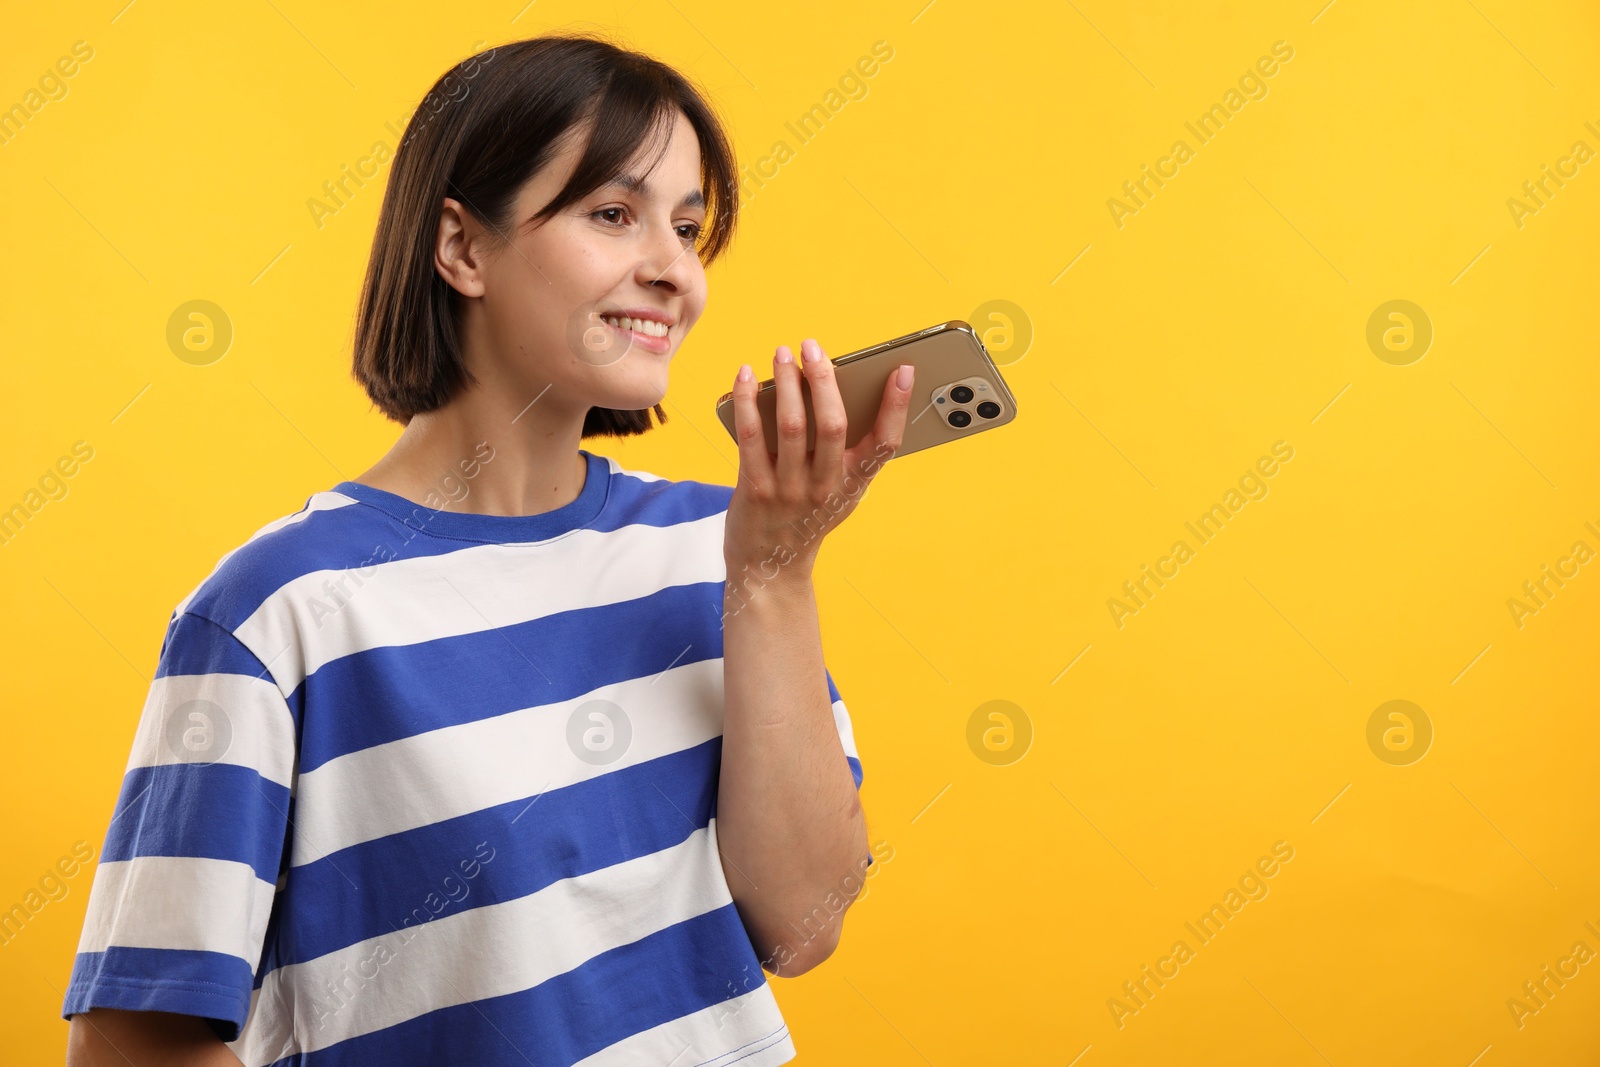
(649,334)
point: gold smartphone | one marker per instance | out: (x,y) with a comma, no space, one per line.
(958,390)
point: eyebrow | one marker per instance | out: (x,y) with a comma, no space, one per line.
(639,185)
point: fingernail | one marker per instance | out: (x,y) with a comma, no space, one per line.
(784,355)
(745,373)
(903,380)
(810,351)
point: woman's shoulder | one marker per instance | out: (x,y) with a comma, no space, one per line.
(326,533)
(636,492)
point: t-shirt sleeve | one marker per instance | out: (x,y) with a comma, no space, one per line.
(841,721)
(178,911)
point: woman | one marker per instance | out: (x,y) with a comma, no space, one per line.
(502,753)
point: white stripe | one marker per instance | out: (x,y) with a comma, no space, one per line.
(178,902)
(398,786)
(747,1024)
(323,501)
(643,476)
(311,621)
(242,720)
(481,952)
(841,722)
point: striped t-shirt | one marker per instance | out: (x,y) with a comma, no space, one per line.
(432,787)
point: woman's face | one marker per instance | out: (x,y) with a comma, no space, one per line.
(540,328)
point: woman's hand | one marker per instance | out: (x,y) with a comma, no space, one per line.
(783,505)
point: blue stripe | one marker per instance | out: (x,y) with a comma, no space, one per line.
(217,811)
(196,645)
(685,968)
(212,985)
(661,503)
(381,886)
(392,692)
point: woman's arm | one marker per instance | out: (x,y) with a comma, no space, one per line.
(110,1037)
(789,821)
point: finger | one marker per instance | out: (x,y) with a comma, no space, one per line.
(827,414)
(755,464)
(888,430)
(791,466)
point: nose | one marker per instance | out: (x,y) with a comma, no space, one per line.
(667,262)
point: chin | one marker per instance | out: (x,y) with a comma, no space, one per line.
(632,400)
(649,392)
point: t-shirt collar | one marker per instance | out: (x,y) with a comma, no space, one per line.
(475,526)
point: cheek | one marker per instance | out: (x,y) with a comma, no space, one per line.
(699,296)
(561,260)
(541,286)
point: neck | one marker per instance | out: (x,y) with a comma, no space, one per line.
(487,452)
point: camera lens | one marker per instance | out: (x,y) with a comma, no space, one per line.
(961,394)
(960,418)
(989,409)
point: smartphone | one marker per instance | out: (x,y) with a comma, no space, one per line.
(958,390)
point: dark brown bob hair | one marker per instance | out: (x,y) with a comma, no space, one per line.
(484,129)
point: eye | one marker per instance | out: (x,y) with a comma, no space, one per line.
(693,227)
(607,211)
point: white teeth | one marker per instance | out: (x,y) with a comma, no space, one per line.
(644,326)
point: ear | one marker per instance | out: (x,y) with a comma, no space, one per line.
(454,256)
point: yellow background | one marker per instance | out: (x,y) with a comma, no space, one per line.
(1230,713)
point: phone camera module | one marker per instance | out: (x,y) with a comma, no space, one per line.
(961,394)
(989,409)
(958,417)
